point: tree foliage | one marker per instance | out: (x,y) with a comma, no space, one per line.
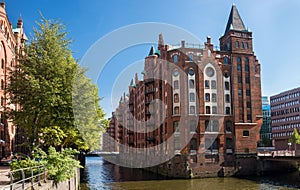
(295,138)
(42,87)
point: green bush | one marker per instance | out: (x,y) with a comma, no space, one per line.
(61,165)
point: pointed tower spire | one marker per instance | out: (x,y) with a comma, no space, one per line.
(235,22)
(152,51)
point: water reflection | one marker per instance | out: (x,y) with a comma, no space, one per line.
(100,174)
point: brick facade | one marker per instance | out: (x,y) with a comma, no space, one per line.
(12,39)
(206,100)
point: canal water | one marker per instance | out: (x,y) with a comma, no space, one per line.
(101,175)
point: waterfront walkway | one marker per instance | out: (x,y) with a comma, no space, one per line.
(4,176)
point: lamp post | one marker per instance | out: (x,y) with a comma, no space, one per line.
(289,144)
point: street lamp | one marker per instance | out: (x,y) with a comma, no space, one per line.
(289,144)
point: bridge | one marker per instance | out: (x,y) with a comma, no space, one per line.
(100,153)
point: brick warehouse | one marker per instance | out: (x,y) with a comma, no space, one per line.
(197,109)
(12,39)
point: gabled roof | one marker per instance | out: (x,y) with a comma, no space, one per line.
(235,22)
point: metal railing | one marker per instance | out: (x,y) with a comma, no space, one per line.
(25,178)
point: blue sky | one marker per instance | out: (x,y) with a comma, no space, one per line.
(274,23)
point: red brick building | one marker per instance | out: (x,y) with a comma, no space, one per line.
(11,38)
(285,117)
(197,106)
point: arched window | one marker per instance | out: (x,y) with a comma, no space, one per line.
(227,85)
(247,45)
(192,109)
(225,60)
(176,98)
(176,84)
(237,44)
(192,97)
(214,97)
(246,60)
(207,97)
(208,53)
(213,84)
(228,126)
(175,58)
(176,110)
(191,83)
(207,109)
(191,72)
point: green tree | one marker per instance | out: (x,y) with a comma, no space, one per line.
(295,138)
(42,87)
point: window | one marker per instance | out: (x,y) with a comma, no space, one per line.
(228,143)
(190,57)
(225,60)
(206,83)
(2,101)
(247,45)
(239,67)
(247,92)
(237,44)
(211,144)
(214,110)
(228,126)
(247,68)
(176,98)
(242,45)
(176,84)
(226,75)
(176,110)
(191,83)
(175,73)
(2,63)
(192,109)
(245,133)
(227,98)
(227,110)
(191,72)
(214,97)
(177,144)
(175,58)
(193,126)
(193,144)
(212,126)
(249,117)
(226,85)
(240,92)
(247,80)
(207,97)
(192,97)
(246,60)
(213,84)
(207,109)
(248,104)
(176,126)
(239,79)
